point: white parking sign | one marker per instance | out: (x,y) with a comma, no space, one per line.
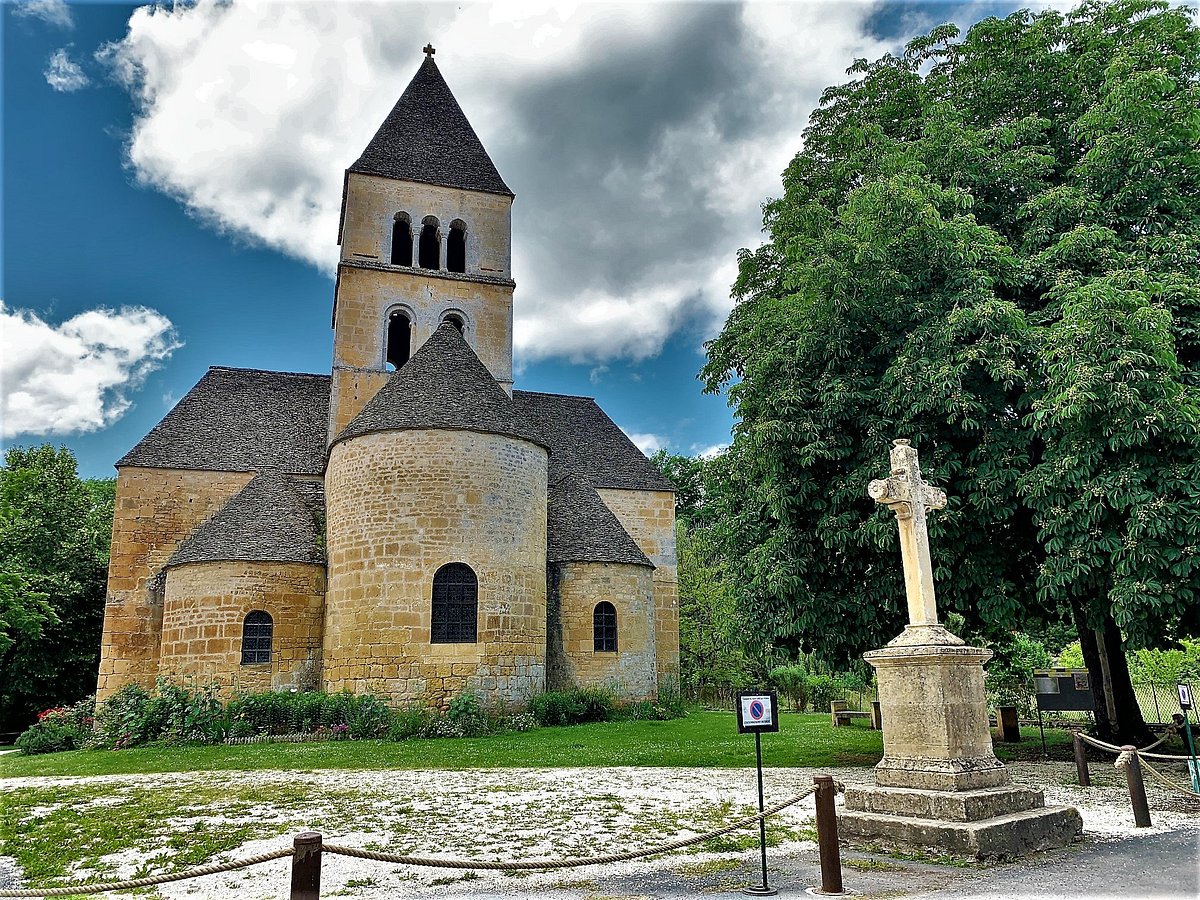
(1185,696)
(757,711)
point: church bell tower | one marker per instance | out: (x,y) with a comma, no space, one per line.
(425,238)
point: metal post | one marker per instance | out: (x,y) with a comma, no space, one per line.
(1081,765)
(1193,766)
(1137,788)
(827,838)
(761,890)
(306,867)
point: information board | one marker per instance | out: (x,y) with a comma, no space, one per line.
(757,711)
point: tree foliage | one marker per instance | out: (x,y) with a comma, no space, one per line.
(55,531)
(990,244)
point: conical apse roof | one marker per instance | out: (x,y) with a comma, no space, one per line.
(443,385)
(427,138)
(267,521)
(580,528)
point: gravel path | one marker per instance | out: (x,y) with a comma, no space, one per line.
(521,813)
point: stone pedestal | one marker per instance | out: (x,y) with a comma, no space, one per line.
(939,784)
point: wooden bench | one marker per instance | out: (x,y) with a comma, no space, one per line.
(841,714)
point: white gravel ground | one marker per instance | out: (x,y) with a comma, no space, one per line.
(521,813)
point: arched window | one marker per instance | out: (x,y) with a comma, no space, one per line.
(455,605)
(429,251)
(402,240)
(604,627)
(399,338)
(457,321)
(256,638)
(456,247)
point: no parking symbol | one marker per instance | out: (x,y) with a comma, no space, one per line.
(757,711)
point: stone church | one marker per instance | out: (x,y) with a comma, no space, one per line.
(409,525)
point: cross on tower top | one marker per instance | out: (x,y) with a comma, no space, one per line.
(428,50)
(909,497)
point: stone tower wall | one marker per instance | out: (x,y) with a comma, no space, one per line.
(155,510)
(205,605)
(366,296)
(631,671)
(400,505)
(649,517)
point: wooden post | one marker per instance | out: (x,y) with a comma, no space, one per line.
(1009,725)
(827,837)
(876,716)
(1137,788)
(1081,763)
(306,867)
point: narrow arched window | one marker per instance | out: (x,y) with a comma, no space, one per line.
(256,638)
(456,247)
(399,338)
(429,251)
(604,627)
(455,605)
(402,240)
(457,321)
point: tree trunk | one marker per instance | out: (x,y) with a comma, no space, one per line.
(1118,716)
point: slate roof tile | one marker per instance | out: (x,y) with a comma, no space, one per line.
(274,518)
(580,528)
(242,420)
(583,439)
(427,138)
(443,385)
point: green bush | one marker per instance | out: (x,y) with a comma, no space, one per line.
(410,722)
(823,690)
(792,682)
(61,728)
(465,712)
(181,714)
(572,707)
(121,720)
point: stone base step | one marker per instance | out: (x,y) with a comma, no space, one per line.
(952,806)
(1009,835)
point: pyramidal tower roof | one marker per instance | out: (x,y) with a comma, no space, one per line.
(427,138)
(267,521)
(443,385)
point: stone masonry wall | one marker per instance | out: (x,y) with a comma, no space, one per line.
(400,505)
(155,510)
(365,298)
(205,605)
(649,517)
(631,671)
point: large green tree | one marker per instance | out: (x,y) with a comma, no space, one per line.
(54,539)
(991,245)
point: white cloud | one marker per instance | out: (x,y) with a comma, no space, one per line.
(63,74)
(52,12)
(641,140)
(647,443)
(75,377)
(714,450)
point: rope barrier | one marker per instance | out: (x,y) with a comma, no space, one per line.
(543,864)
(1113,748)
(98,887)
(1166,782)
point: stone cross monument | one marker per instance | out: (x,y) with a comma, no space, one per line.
(939,783)
(909,497)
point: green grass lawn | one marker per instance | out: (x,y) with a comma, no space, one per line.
(703,739)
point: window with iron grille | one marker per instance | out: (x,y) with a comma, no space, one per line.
(604,627)
(455,605)
(256,638)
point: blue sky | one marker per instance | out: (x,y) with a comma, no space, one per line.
(166,187)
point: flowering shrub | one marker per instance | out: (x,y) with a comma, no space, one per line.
(60,728)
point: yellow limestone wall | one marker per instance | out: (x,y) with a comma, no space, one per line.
(631,671)
(364,300)
(400,505)
(204,607)
(155,510)
(649,517)
(369,286)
